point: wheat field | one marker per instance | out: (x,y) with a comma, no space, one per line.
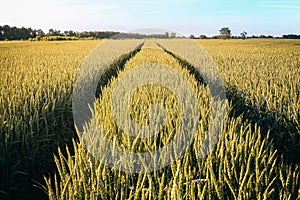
(256,156)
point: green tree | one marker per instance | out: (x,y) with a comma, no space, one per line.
(69,33)
(225,33)
(192,36)
(6,32)
(52,32)
(1,33)
(203,36)
(40,32)
(244,35)
(167,35)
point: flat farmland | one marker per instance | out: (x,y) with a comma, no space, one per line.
(256,156)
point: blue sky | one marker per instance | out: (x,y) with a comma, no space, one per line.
(275,17)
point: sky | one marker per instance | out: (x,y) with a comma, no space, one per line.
(256,17)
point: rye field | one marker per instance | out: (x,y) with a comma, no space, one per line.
(256,156)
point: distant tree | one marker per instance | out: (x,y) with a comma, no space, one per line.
(192,36)
(225,33)
(167,34)
(203,36)
(244,35)
(32,33)
(291,36)
(14,33)
(20,33)
(173,35)
(69,33)
(40,32)
(7,32)
(52,32)
(77,34)
(57,33)
(262,36)
(84,34)
(215,37)
(1,33)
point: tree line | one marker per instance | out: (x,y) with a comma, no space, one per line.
(225,33)
(14,33)
(291,36)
